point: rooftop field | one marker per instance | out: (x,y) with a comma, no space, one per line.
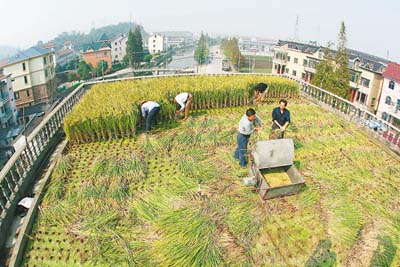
(175,198)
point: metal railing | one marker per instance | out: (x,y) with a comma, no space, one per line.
(379,127)
(14,174)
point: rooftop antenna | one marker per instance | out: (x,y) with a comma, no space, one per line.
(296,29)
(318,33)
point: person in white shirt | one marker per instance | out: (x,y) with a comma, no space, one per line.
(149,109)
(183,103)
(246,128)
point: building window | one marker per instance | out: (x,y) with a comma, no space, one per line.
(304,62)
(105,53)
(294,73)
(373,101)
(44,61)
(303,76)
(3,110)
(51,58)
(384,116)
(45,73)
(288,58)
(365,82)
(116,56)
(27,93)
(353,77)
(16,95)
(116,43)
(116,49)
(287,70)
(26,79)
(388,100)
(24,66)
(363,98)
(296,60)
(391,85)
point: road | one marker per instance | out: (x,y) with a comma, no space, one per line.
(215,66)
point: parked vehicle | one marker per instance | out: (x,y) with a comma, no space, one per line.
(225,65)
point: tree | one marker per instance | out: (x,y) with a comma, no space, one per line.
(84,70)
(325,72)
(101,68)
(72,76)
(201,51)
(130,48)
(342,73)
(332,73)
(137,46)
(232,52)
(147,58)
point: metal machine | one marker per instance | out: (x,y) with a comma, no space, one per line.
(272,170)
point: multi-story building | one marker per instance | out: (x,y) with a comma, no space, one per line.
(256,46)
(156,44)
(366,79)
(95,52)
(389,104)
(8,110)
(118,47)
(66,53)
(33,76)
(301,60)
(176,39)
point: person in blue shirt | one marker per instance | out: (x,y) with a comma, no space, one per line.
(149,109)
(246,128)
(280,119)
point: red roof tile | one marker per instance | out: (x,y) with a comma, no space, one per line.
(392,72)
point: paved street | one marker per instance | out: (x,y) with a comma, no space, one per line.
(215,67)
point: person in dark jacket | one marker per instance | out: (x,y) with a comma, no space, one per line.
(280,120)
(260,91)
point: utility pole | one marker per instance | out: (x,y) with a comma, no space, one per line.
(102,70)
(296,29)
(239,62)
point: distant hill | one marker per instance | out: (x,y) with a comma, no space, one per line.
(7,51)
(80,38)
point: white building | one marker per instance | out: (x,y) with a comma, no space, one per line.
(156,44)
(256,46)
(33,76)
(118,48)
(8,110)
(389,104)
(176,39)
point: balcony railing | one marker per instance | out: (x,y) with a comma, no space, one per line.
(381,129)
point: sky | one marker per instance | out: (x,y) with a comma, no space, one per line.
(372,26)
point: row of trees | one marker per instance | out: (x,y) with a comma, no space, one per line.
(230,47)
(202,49)
(332,72)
